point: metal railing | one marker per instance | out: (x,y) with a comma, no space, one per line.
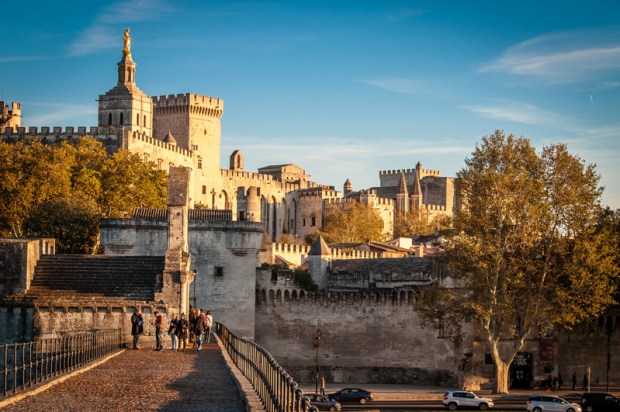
(26,364)
(276,388)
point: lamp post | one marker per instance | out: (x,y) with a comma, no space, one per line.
(317,345)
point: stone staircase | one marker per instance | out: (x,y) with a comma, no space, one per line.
(97,278)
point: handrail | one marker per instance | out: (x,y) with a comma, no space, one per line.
(26,364)
(274,386)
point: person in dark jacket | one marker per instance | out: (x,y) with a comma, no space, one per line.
(172,331)
(182,332)
(159,331)
(137,327)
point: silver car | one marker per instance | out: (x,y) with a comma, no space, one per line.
(465,399)
(547,403)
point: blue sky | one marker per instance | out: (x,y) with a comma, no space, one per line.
(341,88)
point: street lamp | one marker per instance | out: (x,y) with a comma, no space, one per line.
(317,345)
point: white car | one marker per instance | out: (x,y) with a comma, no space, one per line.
(465,399)
(547,403)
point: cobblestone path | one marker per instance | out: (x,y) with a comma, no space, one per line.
(145,380)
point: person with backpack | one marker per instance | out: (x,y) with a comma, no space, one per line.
(182,332)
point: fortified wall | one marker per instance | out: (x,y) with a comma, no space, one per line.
(224,256)
(298,254)
(365,337)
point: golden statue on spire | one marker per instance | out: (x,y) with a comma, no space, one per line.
(127,44)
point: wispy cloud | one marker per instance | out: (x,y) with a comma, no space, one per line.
(103,32)
(56,114)
(562,57)
(520,112)
(404,14)
(11,59)
(395,84)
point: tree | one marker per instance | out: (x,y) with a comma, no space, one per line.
(352,223)
(73,222)
(528,250)
(418,223)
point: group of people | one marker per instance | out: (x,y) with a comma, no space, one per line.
(196,328)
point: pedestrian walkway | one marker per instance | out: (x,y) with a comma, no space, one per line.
(145,380)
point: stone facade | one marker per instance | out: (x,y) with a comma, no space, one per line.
(9,117)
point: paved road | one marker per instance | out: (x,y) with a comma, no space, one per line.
(145,380)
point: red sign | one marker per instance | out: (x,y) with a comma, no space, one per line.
(546,350)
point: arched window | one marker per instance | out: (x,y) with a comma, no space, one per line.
(144,122)
(121,119)
(109,119)
(138,119)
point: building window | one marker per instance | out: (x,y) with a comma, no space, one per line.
(144,122)
(138,119)
(121,120)
(146,157)
(313,222)
(204,190)
(199,163)
(219,271)
(241,216)
(109,119)
(160,164)
(303,221)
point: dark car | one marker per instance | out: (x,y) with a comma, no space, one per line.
(351,395)
(322,403)
(599,402)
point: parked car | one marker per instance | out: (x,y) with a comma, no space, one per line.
(465,399)
(599,402)
(322,403)
(351,395)
(547,403)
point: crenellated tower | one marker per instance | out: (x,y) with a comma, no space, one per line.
(125,106)
(10,117)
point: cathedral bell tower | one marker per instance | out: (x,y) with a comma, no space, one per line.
(125,106)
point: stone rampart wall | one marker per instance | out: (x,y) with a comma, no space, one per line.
(365,338)
(18,258)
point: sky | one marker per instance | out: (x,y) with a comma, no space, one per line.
(343,89)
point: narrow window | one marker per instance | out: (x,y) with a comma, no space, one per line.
(204,190)
(144,122)
(241,215)
(303,221)
(313,223)
(109,119)
(199,163)
(160,164)
(219,271)
(138,119)
(121,120)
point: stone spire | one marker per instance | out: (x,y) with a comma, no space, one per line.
(319,248)
(416,194)
(402,204)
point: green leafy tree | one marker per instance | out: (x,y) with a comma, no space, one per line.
(78,179)
(73,222)
(529,250)
(352,223)
(413,223)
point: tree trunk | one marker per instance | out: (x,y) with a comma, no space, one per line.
(501,376)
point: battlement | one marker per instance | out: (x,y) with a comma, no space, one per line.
(14,110)
(321,192)
(276,296)
(194,103)
(424,172)
(58,131)
(434,208)
(240,174)
(340,201)
(297,254)
(159,143)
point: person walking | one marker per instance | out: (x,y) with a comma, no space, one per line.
(208,326)
(585,382)
(192,327)
(182,332)
(574,380)
(323,385)
(159,331)
(199,328)
(172,332)
(137,327)
(555,384)
(560,382)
